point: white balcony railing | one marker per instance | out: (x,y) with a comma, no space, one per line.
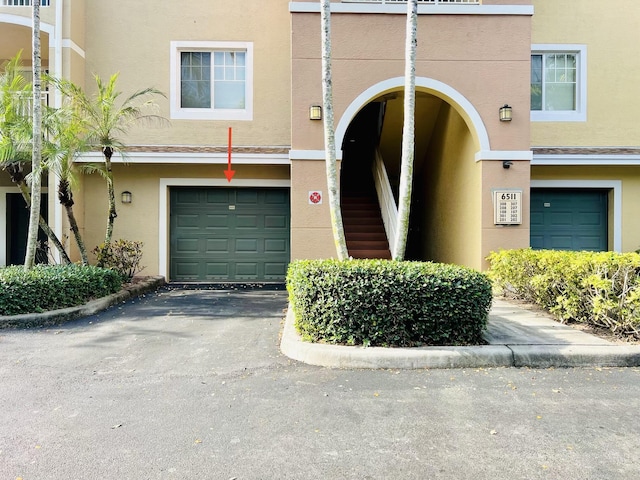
(432,2)
(22,3)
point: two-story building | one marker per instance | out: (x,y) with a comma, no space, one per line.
(557,169)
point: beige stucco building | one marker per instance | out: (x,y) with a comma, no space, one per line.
(564,172)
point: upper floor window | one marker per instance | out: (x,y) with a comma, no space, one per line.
(22,3)
(558,83)
(212,80)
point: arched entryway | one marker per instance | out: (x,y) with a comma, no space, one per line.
(446,218)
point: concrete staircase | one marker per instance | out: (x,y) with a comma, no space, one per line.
(363,227)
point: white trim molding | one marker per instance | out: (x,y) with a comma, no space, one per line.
(312,154)
(440,9)
(582,160)
(502,155)
(177,112)
(439,89)
(163,206)
(70,44)
(615,185)
(183,158)
(580,113)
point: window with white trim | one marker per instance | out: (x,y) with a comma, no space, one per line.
(212,80)
(558,83)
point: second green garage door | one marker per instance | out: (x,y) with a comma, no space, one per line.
(229,234)
(568,219)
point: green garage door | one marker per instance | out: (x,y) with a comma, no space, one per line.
(569,219)
(229,234)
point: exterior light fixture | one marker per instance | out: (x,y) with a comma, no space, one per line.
(315,112)
(505,113)
(125,197)
(506,164)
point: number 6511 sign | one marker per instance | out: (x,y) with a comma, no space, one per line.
(507,207)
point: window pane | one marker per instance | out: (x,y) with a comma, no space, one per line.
(560,96)
(229,95)
(536,82)
(195,84)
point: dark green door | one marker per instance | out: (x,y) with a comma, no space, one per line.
(18,223)
(563,219)
(229,234)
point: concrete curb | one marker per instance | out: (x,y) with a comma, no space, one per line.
(58,317)
(482,356)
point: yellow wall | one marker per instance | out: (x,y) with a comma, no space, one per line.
(140,219)
(450,188)
(151,29)
(610,32)
(630,177)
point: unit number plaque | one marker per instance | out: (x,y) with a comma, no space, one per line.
(507,206)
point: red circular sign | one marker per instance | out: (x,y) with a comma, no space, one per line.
(315,197)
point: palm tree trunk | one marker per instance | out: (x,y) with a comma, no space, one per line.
(65,197)
(73,224)
(108,152)
(36,157)
(408,134)
(329,135)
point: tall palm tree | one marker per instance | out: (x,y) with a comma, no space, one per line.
(408,134)
(329,135)
(64,139)
(16,136)
(36,153)
(107,121)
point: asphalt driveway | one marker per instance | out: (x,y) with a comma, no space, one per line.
(190,384)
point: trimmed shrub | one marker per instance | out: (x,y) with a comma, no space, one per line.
(388,303)
(121,255)
(50,287)
(597,288)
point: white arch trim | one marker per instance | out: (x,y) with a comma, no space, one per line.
(440,89)
(26,22)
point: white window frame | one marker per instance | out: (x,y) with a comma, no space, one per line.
(179,113)
(580,112)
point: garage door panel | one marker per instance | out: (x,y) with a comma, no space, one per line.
(220,196)
(217,245)
(216,270)
(188,221)
(246,270)
(187,245)
(569,219)
(212,242)
(246,221)
(275,246)
(561,219)
(276,222)
(276,197)
(217,221)
(246,197)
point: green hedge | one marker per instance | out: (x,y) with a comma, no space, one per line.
(50,287)
(598,288)
(388,303)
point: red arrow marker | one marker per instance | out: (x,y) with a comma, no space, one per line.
(228,172)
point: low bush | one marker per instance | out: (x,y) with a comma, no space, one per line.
(388,303)
(121,255)
(601,289)
(49,287)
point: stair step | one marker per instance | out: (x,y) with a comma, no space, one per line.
(366,236)
(373,229)
(383,254)
(367,245)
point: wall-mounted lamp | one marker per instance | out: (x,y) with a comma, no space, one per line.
(505,113)
(125,197)
(315,112)
(506,164)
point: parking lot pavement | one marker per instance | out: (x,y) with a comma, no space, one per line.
(184,384)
